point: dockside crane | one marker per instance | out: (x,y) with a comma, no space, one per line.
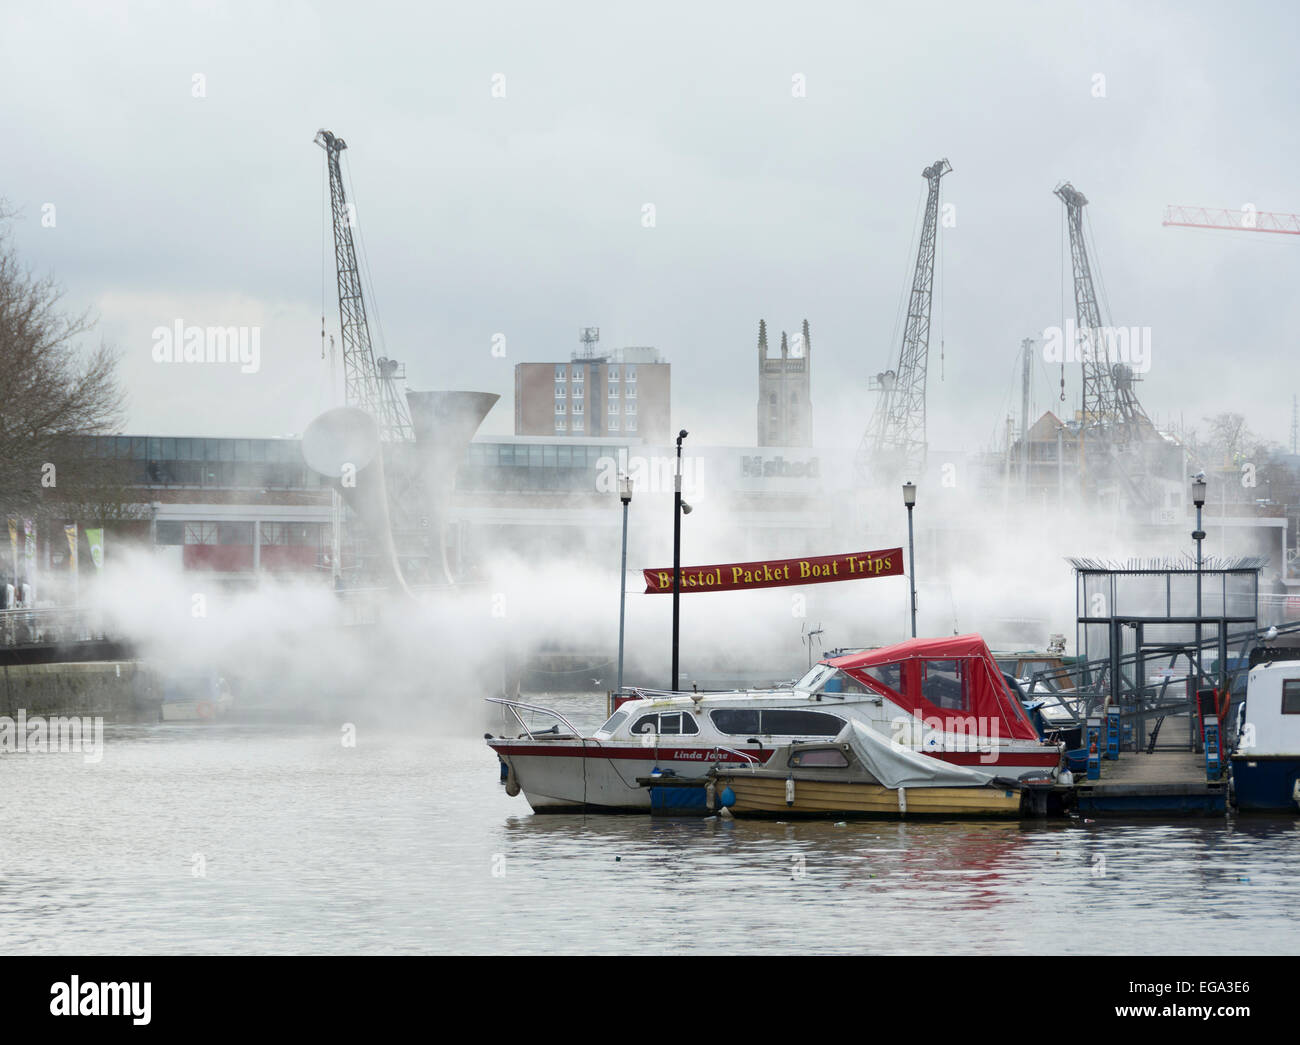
(895,440)
(368,383)
(1247,219)
(1110,405)
(1113,424)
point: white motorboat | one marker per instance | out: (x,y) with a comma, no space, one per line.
(1266,759)
(944,699)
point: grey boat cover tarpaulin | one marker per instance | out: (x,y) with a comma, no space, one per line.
(897,766)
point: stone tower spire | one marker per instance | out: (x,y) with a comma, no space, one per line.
(784,403)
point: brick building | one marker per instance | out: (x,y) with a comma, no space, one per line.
(622,394)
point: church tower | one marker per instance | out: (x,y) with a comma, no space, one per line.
(784,402)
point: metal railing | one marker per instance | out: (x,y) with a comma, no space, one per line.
(21,627)
(1164,692)
(516,705)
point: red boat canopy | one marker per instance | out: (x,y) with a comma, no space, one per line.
(955,676)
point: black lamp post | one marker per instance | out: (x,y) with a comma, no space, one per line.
(1198,535)
(625,495)
(679,508)
(909,499)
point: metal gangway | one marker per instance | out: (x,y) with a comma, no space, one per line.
(1155,688)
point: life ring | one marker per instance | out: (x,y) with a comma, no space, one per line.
(512,784)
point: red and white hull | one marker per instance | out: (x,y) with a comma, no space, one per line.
(571,776)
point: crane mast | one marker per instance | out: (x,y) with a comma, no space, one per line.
(368,384)
(1110,406)
(895,439)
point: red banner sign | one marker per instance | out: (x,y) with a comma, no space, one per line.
(778,573)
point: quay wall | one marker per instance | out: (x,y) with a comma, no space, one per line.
(119,691)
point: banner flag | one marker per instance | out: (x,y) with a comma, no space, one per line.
(778,573)
(95,539)
(71,531)
(29,551)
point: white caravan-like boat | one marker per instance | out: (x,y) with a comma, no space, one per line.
(1266,761)
(943,699)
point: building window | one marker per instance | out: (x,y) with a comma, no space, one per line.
(200,533)
(631,408)
(577,392)
(560,408)
(170,533)
(559,373)
(579,375)
(613,374)
(631,373)
(631,391)
(1291,697)
(561,391)
(560,426)
(577,424)
(612,424)
(631,424)
(235,533)
(612,408)
(613,392)
(578,409)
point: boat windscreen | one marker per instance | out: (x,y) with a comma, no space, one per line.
(826,679)
(816,678)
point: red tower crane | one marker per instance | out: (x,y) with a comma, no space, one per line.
(1247,219)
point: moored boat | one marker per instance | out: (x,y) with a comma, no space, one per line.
(939,705)
(786,786)
(1266,761)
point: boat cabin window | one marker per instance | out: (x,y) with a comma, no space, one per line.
(826,679)
(888,675)
(670,723)
(1291,697)
(741,722)
(776,722)
(842,682)
(821,756)
(943,683)
(615,720)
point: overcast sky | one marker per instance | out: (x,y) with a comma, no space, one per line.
(522,215)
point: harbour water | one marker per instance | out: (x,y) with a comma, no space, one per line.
(280,839)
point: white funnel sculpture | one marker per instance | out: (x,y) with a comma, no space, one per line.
(444,424)
(343,445)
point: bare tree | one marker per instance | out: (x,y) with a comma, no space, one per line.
(1228,437)
(52,389)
